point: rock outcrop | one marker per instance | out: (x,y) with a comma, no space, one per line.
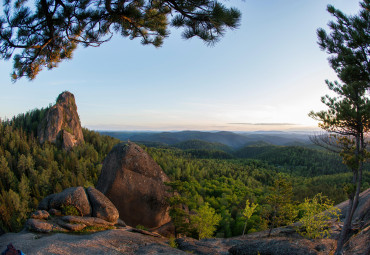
(93,209)
(277,246)
(114,242)
(134,183)
(101,206)
(61,124)
(362,213)
(74,196)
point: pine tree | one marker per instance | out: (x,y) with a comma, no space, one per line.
(46,32)
(7,177)
(280,202)
(348,118)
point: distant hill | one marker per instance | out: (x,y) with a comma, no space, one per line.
(304,161)
(231,139)
(202,145)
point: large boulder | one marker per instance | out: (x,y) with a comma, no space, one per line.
(57,212)
(89,202)
(101,206)
(134,183)
(74,196)
(61,124)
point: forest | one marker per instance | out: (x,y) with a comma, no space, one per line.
(202,173)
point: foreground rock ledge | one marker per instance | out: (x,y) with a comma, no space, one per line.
(119,241)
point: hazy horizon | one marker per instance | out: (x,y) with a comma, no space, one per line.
(291,130)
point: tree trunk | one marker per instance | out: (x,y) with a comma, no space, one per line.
(345,230)
(270,231)
(245,226)
(353,200)
(272,221)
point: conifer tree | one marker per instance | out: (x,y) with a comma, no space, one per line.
(348,116)
(280,202)
(42,33)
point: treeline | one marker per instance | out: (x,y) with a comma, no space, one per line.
(30,171)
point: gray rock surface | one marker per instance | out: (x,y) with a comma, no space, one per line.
(360,244)
(134,183)
(75,196)
(102,207)
(362,212)
(42,226)
(271,247)
(55,212)
(71,227)
(40,214)
(88,221)
(61,124)
(45,203)
(119,241)
(206,246)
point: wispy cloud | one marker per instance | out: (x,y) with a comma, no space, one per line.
(263,124)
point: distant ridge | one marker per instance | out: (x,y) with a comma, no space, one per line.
(231,139)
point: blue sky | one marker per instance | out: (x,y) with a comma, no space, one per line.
(266,75)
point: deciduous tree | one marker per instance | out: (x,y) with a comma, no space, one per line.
(317,213)
(248,211)
(205,221)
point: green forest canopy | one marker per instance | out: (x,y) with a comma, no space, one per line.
(30,171)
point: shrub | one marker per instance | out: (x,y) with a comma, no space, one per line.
(317,213)
(172,242)
(70,210)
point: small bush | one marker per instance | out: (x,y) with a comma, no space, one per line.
(141,227)
(172,242)
(316,215)
(70,210)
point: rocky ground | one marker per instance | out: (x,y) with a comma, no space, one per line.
(117,241)
(128,240)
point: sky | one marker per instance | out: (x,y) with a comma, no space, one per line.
(266,75)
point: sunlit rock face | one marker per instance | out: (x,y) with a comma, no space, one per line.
(134,183)
(61,124)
